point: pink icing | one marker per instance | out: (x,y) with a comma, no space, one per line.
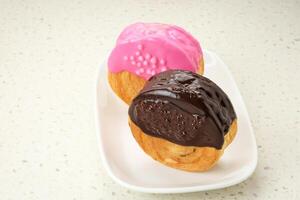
(147,49)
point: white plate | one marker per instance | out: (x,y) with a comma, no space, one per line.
(129,166)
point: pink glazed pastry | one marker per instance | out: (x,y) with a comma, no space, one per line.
(145,49)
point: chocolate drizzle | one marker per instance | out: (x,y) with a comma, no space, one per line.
(184,108)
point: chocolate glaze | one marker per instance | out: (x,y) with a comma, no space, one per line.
(184,108)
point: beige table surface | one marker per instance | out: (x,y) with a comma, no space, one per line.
(50,52)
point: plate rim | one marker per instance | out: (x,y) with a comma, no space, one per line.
(249,170)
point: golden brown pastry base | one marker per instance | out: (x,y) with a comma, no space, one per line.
(188,158)
(127,85)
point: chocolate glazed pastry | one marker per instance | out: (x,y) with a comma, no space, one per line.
(183,120)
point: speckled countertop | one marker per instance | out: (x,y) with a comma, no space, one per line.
(49,56)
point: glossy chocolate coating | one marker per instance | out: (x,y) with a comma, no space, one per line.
(184,108)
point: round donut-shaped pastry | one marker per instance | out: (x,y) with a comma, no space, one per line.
(145,49)
(183,120)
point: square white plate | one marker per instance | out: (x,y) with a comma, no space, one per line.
(129,166)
